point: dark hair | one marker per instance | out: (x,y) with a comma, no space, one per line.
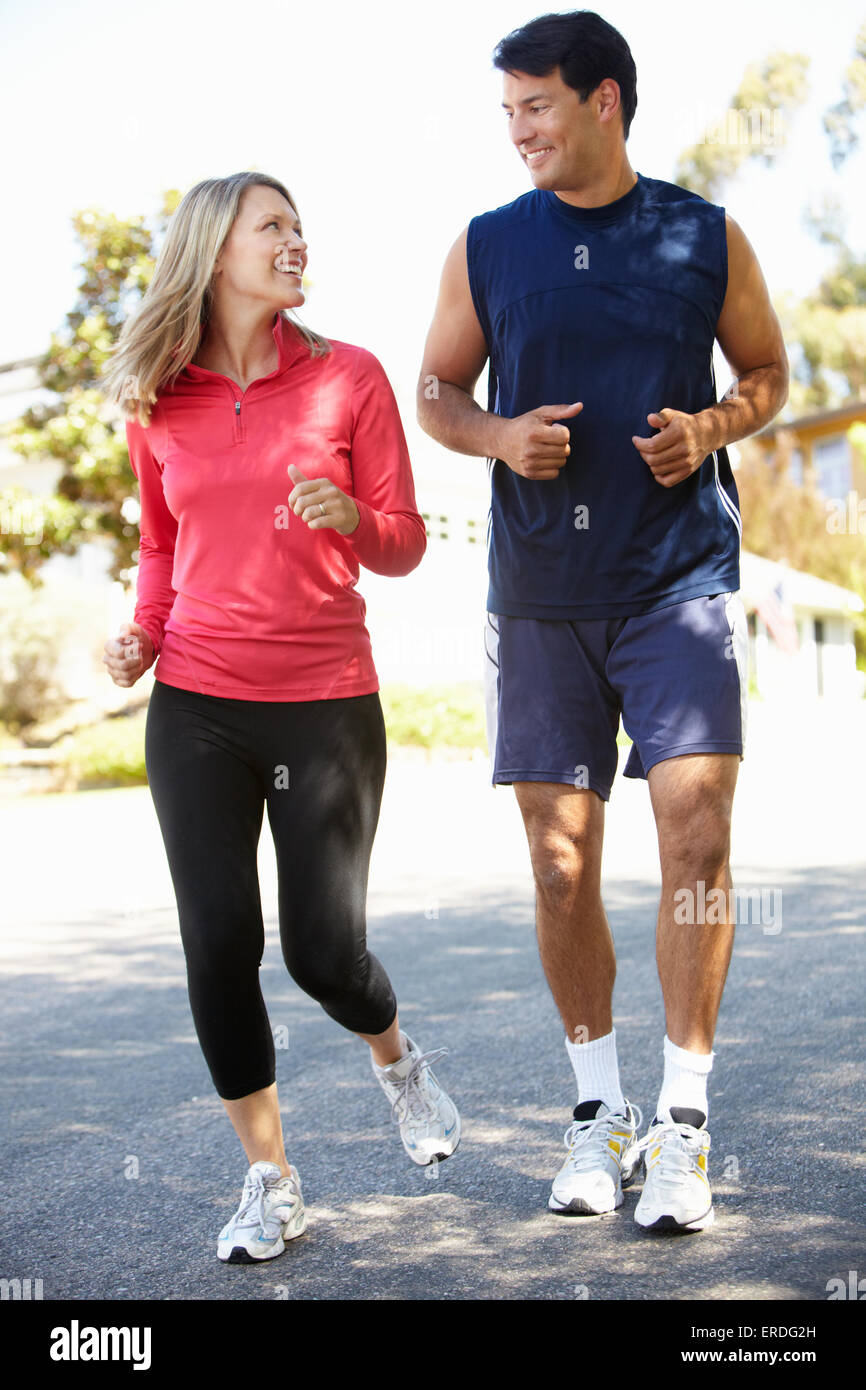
(584,47)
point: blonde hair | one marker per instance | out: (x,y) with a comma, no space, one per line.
(162,336)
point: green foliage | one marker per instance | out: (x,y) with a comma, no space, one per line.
(829,363)
(827,329)
(784,520)
(30,634)
(839,120)
(778,85)
(32,529)
(110,754)
(438,716)
(96,491)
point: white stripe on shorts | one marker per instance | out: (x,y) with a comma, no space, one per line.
(491,683)
(737,622)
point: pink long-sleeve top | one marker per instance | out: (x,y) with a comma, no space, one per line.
(240,598)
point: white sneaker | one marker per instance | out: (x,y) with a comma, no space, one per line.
(271,1212)
(603,1157)
(427,1116)
(676,1194)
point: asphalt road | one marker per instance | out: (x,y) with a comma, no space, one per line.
(119,1165)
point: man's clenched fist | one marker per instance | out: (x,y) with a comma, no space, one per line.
(534,445)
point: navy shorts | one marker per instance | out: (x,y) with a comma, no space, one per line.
(556,690)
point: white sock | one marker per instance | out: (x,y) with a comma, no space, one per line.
(596,1070)
(685,1079)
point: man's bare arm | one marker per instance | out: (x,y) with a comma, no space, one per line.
(454,357)
(750,336)
(533,444)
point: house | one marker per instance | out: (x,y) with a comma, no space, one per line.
(820,450)
(801,627)
(801,632)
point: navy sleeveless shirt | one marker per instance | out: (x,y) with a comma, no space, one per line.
(615,306)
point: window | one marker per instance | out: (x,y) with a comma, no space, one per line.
(832,459)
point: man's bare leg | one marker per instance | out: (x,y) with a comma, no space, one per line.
(565,828)
(692,797)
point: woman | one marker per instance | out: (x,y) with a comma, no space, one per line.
(265,693)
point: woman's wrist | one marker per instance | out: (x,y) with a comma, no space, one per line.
(357,522)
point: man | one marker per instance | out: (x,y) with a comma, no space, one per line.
(614,562)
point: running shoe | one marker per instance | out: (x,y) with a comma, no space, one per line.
(676,1194)
(603,1157)
(270,1214)
(427,1116)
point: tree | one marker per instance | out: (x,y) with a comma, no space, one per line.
(829,326)
(839,121)
(825,331)
(96,491)
(752,128)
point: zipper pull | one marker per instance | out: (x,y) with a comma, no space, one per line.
(237,407)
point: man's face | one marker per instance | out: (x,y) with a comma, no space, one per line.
(556,135)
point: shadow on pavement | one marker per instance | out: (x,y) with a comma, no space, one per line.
(120,1165)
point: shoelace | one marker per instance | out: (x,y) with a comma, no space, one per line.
(413,1099)
(253,1196)
(680,1145)
(580,1131)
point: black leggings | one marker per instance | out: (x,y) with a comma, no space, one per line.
(213,764)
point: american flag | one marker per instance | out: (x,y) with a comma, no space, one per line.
(778,617)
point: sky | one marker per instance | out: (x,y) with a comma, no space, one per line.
(384,121)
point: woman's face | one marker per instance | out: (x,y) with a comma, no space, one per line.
(264,255)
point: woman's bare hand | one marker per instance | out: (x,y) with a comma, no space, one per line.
(321,505)
(128,655)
